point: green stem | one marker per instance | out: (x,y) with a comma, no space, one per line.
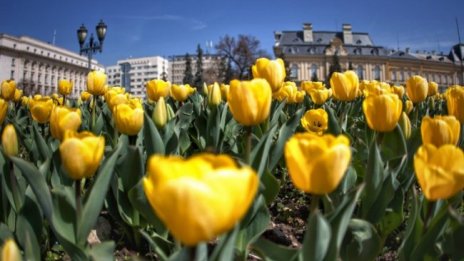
(14,186)
(192,250)
(94,108)
(429,215)
(78,203)
(248,135)
(64,100)
(314,205)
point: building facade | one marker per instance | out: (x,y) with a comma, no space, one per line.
(37,66)
(211,67)
(133,73)
(309,55)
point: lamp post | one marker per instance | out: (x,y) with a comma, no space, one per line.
(92,46)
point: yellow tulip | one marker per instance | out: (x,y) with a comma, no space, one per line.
(375,88)
(41,108)
(344,85)
(439,170)
(115,96)
(455,102)
(408,106)
(440,130)
(201,197)
(128,117)
(65,87)
(432,89)
(81,153)
(320,96)
(10,251)
(96,83)
(25,101)
(290,93)
(315,120)
(417,88)
(181,92)
(398,90)
(405,125)
(157,89)
(224,91)
(8,89)
(214,94)
(160,115)
(18,95)
(63,118)
(85,96)
(271,70)
(250,101)
(317,164)
(3,110)
(10,141)
(382,112)
(307,86)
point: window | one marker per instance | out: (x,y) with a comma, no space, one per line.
(294,71)
(393,75)
(376,72)
(313,72)
(360,72)
(12,61)
(12,74)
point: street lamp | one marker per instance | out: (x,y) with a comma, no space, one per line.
(92,46)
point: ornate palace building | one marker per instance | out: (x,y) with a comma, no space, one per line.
(37,66)
(310,54)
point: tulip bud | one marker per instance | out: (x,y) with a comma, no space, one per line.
(96,83)
(405,125)
(157,89)
(159,116)
(10,141)
(8,89)
(170,112)
(3,109)
(128,117)
(18,95)
(10,251)
(214,95)
(417,88)
(408,106)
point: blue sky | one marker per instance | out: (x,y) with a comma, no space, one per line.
(162,27)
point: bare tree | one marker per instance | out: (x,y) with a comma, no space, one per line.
(241,52)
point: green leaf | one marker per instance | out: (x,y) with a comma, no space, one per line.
(387,192)
(393,144)
(27,239)
(413,228)
(103,251)
(271,187)
(285,132)
(334,126)
(273,252)
(37,183)
(276,111)
(373,179)
(152,138)
(213,128)
(260,153)
(41,144)
(339,220)
(252,228)
(428,240)
(361,241)
(139,201)
(96,197)
(317,238)
(224,250)
(394,215)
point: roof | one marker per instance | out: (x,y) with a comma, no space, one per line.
(323,38)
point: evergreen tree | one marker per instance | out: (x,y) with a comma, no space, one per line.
(334,67)
(188,74)
(198,82)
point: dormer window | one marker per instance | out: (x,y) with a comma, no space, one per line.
(319,40)
(358,42)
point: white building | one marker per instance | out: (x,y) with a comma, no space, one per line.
(211,67)
(133,73)
(37,66)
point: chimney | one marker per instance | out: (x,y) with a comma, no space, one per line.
(308,32)
(347,35)
(407,50)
